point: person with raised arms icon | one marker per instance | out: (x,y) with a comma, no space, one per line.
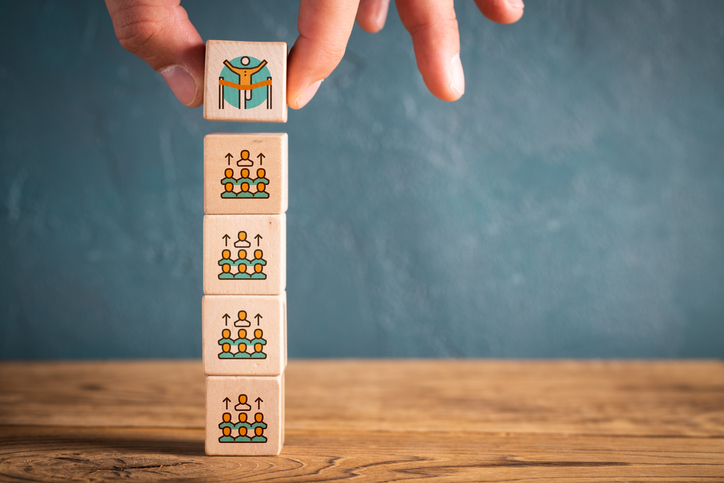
(225,354)
(241,321)
(245,161)
(245,76)
(226,438)
(227,422)
(242,354)
(244,193)
(260,176)
(242,406)
(261,191)
(242,242)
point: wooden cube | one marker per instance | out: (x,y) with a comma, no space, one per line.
(244,415)
(245,81)
(244,335)
(245,174)
(244,254)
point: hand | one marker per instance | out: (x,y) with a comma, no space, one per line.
(159,31)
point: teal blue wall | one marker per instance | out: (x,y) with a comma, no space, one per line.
(570,205)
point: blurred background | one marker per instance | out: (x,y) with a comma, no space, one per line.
(569,205)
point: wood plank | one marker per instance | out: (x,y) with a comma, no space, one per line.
(34,453)
(631,398)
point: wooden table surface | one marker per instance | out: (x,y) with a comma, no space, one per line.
(374,420)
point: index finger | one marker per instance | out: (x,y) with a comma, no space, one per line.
(324,29)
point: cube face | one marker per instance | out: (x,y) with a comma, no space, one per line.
(244,334)
(244,415)
(245,81)
(245,174)
(244,254)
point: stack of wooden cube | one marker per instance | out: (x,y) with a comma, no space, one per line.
(245,200)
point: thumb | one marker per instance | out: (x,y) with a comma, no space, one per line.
(159,32)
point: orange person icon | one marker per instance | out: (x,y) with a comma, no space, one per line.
(244,161)
(245,73)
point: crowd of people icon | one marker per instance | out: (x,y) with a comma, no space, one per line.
(242,344)
(242,263)
(246,432)
(241,187)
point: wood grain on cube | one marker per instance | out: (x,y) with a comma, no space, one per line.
(244,415)
(244,254)
(245,81)
(245,174)
(244,335)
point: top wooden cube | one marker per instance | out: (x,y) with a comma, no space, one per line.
(245,81)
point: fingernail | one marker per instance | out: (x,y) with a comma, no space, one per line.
(308,94)
(180,82)
(516,4)
(381,15)
(457,76)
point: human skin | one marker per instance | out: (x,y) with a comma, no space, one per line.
(160,32)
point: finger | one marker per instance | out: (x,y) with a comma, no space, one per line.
(501,11)
(434,30)
(324,29)
(159,32)
(371,14)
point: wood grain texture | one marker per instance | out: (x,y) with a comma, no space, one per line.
(427,420)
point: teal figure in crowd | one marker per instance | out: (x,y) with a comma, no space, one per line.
(226,338)
(258,352)
(242,338)
(258,274)
(258,344)
(226,438)
(242,424)
(229,177)
(242,354)
(226,262)
(258,264)
(228,191)
(227,422)
(225,354)
(244,177)
(244,193)
(242,273)
(243,438)
(258,427)
(261,191)
(260,177)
